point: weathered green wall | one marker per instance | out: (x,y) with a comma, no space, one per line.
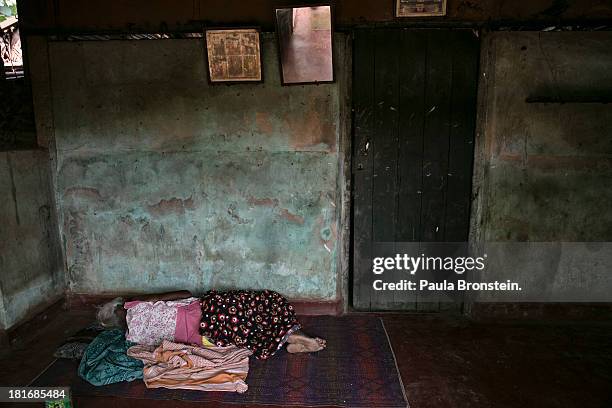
(31,274)
(164,181)
(544,170)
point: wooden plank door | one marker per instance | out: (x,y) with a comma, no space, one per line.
(414,109)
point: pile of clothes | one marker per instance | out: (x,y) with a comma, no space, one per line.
(175,365)
(182,359)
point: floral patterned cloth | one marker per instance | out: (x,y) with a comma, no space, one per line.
(150,323)
(259,321)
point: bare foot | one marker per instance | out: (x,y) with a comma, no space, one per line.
(296,348)
(310,344)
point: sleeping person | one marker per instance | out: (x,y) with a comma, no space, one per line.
(261,321)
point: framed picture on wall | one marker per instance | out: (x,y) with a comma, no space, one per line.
(233,55)
(420,8)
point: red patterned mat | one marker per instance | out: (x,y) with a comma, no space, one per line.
(357,369)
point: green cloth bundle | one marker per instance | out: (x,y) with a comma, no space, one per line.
(106,361)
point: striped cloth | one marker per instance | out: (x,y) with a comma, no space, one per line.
(174,365)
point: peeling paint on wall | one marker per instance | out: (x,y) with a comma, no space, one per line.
(167,182)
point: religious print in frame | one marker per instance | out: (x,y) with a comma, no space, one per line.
(420,8)
(234,55)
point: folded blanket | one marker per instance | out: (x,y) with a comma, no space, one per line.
(105,360)
(174,365)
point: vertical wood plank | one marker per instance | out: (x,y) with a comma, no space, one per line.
(386,97)
(363,129)
(384,188)
(436,133)
(413,54)
(464,51)
(435,146)
(464,46)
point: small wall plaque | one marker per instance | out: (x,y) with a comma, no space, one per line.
(234,55)
(420,8)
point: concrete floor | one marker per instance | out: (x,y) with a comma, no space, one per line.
(444,361)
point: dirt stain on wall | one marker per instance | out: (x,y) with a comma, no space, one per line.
(172,205)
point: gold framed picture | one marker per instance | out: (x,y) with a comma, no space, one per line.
(234,55)
(420,8)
